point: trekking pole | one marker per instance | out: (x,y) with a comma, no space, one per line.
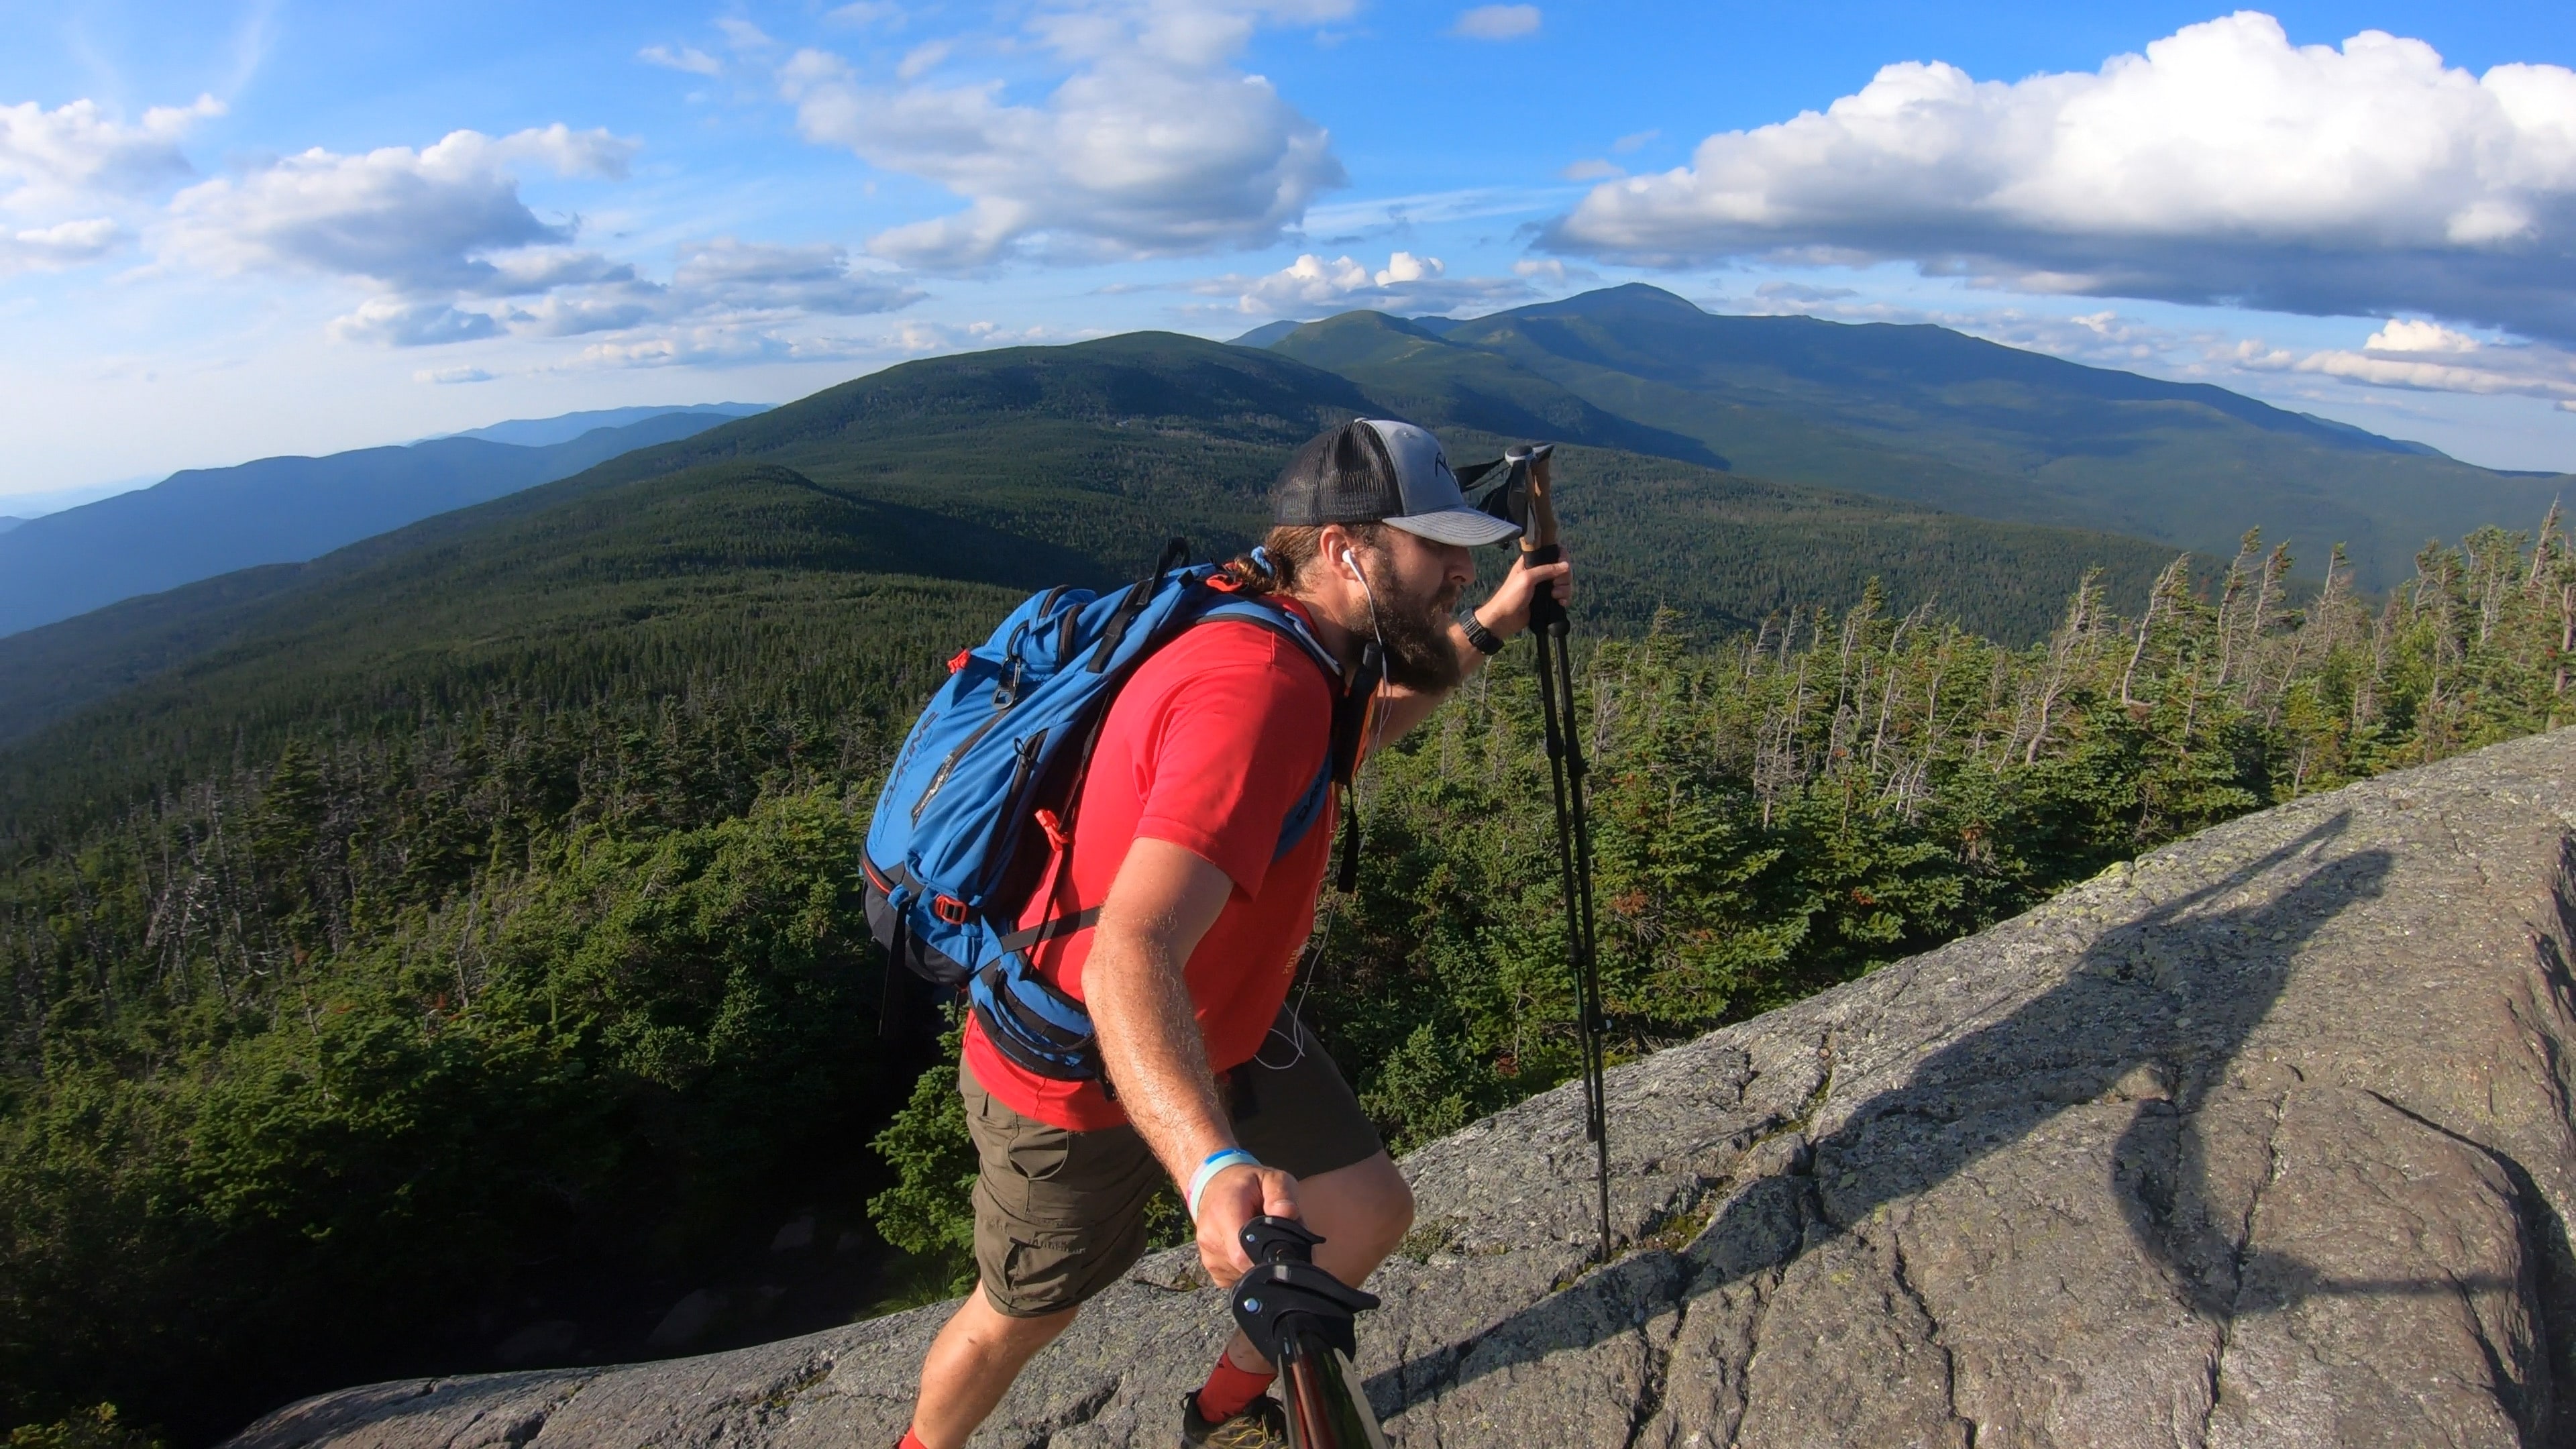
(1566,769)
(1301,1318)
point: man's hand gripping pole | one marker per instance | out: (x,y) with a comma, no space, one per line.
(1301,1318)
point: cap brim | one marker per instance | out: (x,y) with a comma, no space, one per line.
(1467,527)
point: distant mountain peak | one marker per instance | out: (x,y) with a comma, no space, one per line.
(1625,296)
(1267,333)
(564,427)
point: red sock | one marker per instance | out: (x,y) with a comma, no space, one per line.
(911,1440)
(1229,1390)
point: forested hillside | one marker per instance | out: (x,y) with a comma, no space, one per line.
(208,521)
(1937,418)
(1035,465)
(446,954)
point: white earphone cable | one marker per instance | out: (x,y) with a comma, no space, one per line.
(1323,938)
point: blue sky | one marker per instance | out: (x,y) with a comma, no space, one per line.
(228,231)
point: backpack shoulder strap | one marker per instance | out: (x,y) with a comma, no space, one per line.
(1282,621)
(1308,807)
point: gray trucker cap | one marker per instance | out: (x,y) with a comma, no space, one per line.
(1376,471)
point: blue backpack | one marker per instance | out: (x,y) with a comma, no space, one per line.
(981,799)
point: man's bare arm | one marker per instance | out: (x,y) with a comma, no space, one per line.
(1164,900)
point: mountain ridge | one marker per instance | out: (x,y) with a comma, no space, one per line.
(564,427)
(1057,464)
(202,522)
(1934,416)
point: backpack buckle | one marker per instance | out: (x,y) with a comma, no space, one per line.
(951,910)
(1054,828)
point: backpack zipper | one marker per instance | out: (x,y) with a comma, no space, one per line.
(1028,753)
(959,753)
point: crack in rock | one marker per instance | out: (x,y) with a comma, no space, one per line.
(2226,1323)
(1904,1280)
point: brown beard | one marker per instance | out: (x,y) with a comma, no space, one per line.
(1419,653)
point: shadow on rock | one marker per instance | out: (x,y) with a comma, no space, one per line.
(2154,1012)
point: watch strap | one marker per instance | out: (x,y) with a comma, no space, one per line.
(1484,639)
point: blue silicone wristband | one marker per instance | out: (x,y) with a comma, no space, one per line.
(1216,1162)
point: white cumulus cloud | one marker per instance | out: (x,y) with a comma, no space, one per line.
(1312,286)
(1497,22)
(451,253)
(1152,144)
(727,285)
(411,221)
(2424,356)
(2223,165)
(763,277)
(75,154)
(72,179)
(63,244)
(411,322)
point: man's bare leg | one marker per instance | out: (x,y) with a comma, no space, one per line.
(1361,1211)
(971,1365)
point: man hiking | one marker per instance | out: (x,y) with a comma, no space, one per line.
(1182,840)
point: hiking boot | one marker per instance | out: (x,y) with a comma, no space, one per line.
(1261,1425)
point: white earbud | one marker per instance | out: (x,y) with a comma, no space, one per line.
(1353,565)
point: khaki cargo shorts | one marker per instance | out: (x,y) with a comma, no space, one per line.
(1059,1215)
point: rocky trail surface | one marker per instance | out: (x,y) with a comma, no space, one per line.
(2263,1140)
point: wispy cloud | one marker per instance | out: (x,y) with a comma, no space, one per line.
(1497,22)
(867,13)
(1432,207)
(744,36)
(715,346)
(682,58)
(252,38)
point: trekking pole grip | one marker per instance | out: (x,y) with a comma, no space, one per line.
(1544,607)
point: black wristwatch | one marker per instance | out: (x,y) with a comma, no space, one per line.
(1477,634)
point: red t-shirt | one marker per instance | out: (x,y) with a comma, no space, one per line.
(1207,746)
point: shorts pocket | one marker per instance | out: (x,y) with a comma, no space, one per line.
(1009,1143)
(1038,1152)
